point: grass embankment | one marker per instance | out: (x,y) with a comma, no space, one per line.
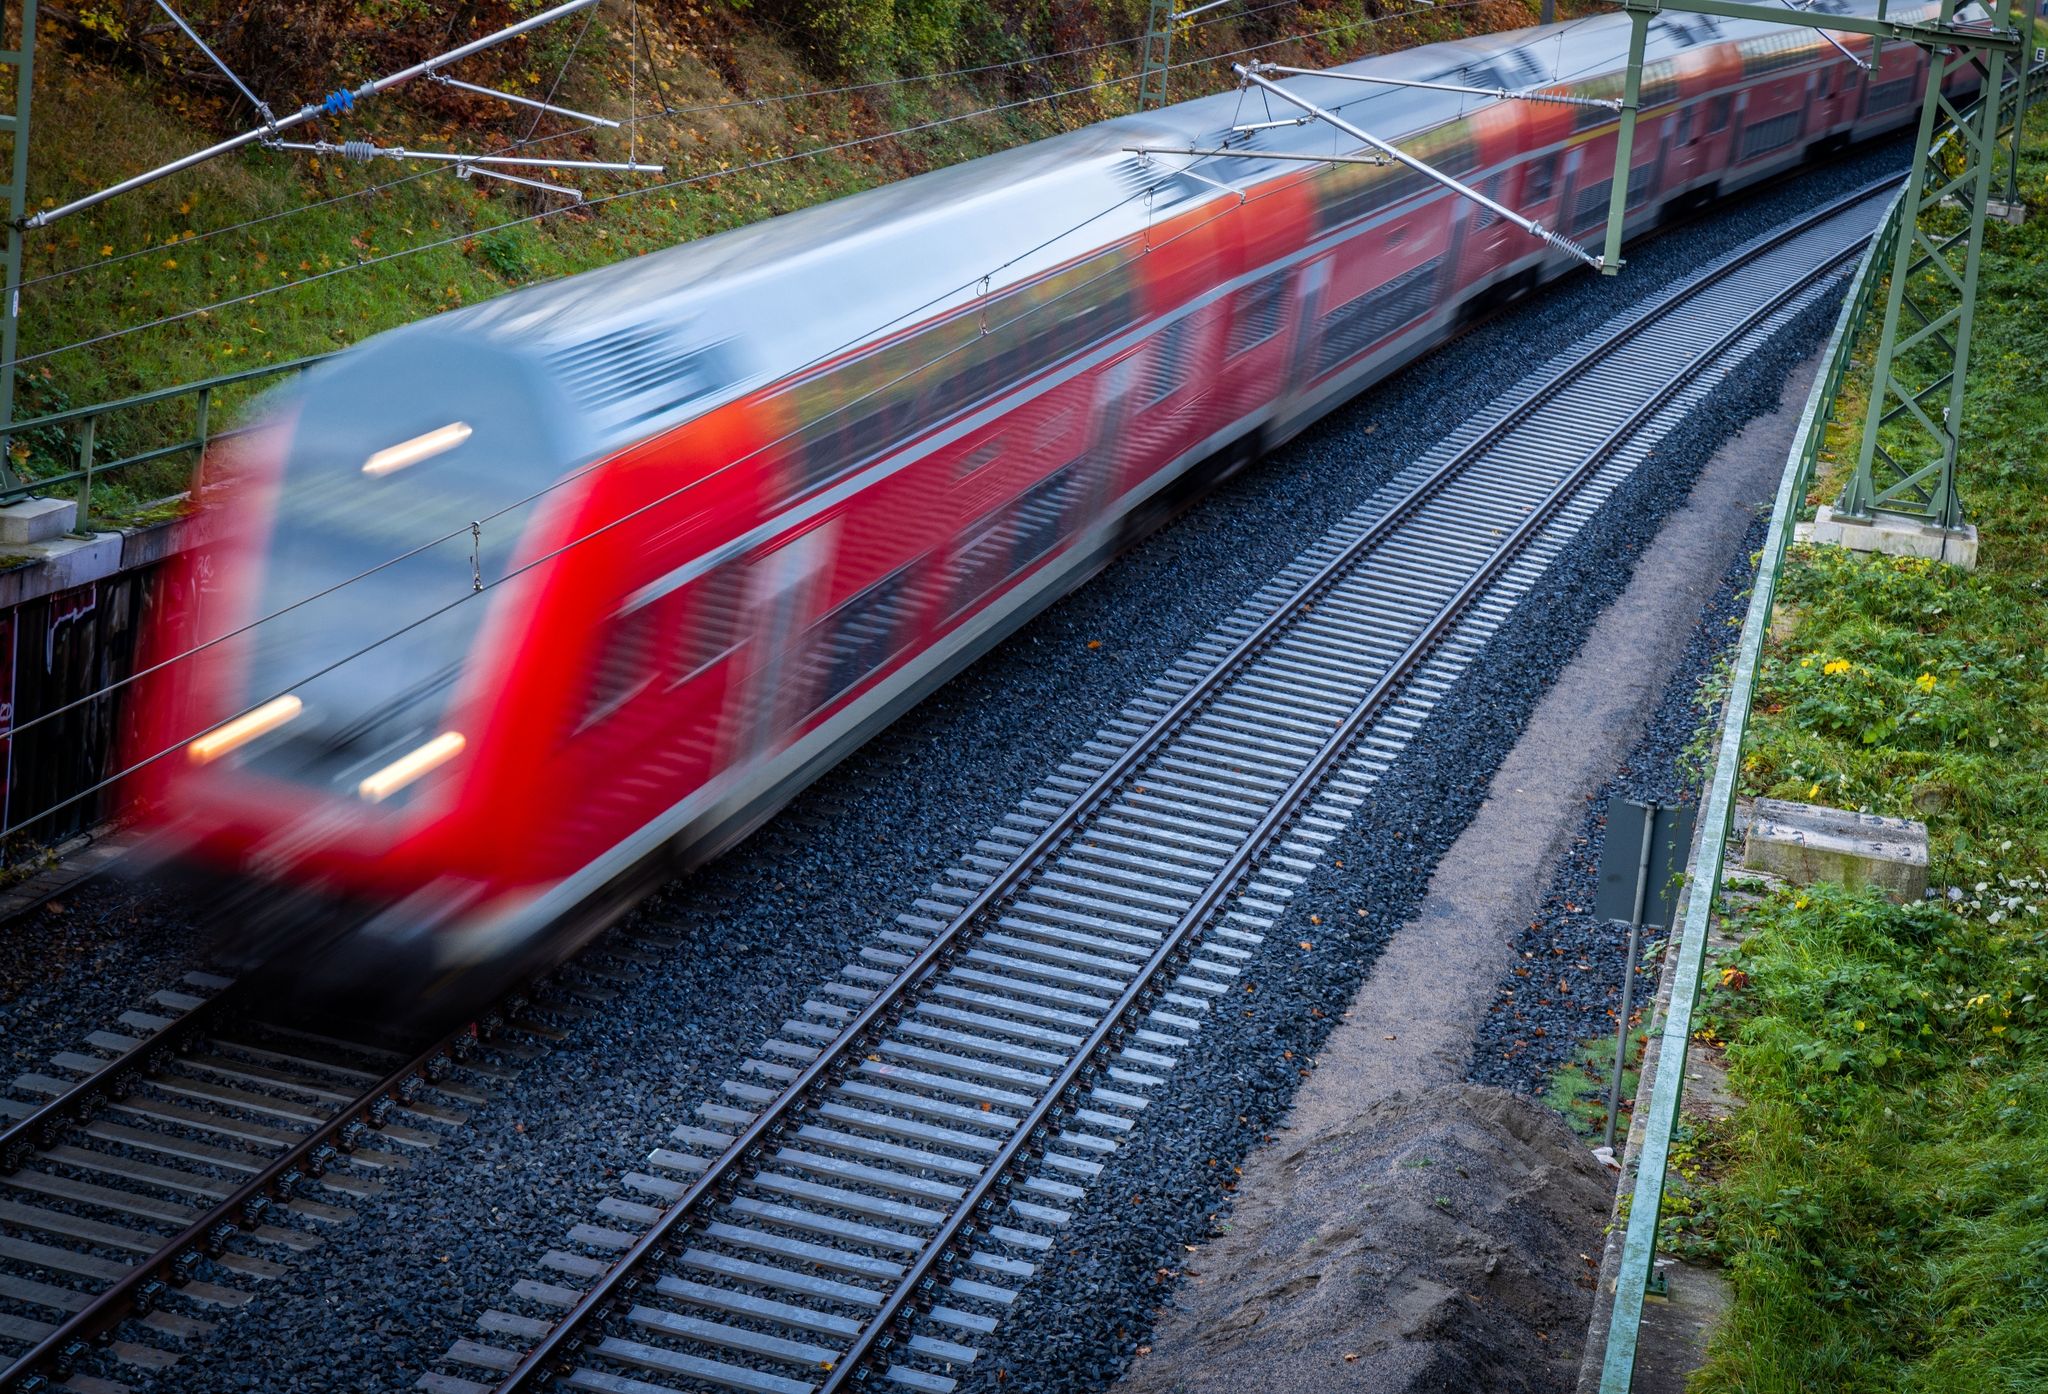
(180,281)
(1881,1202)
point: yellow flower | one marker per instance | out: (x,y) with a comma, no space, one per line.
(1925,682)
(170,263)
(1861,1025)
(1814,792)
(1806,662)
(1839,665)
(107,250)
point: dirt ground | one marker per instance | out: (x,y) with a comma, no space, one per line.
(1431,1243)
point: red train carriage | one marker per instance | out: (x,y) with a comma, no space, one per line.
(531,602)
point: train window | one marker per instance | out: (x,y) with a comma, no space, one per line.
(1042,515)
(983,454)
(1260,308)
(1482,216)
(855,640)
(1883,96)
(1171,347)
(1608,88)
(625,666)
(982,562)
(716,618)
(1591,206)
(1366,319)
(1718,113)
(854,411)
(1539,179)
(1450,150)
(1028,329)
(1774,134)
(1771,52)
(1350,191)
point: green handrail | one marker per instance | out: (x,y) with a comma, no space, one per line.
(84,427)
(1646,1198)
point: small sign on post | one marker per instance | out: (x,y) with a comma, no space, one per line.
(1641,860)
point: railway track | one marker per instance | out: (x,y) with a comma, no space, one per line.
(180,1158)
(873,1188)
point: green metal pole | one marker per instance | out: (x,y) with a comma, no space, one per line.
(1625,139)
(2023,20)
(1859,496)
(1948,503)
(15,124)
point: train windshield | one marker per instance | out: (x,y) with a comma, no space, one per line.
(407,481)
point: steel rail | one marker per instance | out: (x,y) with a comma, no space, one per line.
(121,1076)
(138,1290)
(890,1323)
(861,1034)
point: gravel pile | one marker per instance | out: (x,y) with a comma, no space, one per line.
(758,929)
(1532,1028)
(1433,1242)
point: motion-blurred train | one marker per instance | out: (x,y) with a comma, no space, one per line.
(520,607)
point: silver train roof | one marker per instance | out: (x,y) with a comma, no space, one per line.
(800,287)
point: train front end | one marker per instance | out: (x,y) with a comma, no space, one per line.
(329,720)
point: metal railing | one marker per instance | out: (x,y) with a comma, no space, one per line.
(1646,1199)
(84,427)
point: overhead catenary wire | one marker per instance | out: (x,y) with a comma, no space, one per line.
(664,113)
(640,510)
(335,103)
(574,475)
(482,587)
(262,107)
(601,529)
(703,176)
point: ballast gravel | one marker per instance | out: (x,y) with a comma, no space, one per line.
(1532,1029)
(758,929)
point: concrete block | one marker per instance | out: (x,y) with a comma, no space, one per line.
(1894,537)
(2014,213)
(34,520)
(1805,843)
(59,564)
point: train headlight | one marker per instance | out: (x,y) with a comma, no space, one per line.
(393,458)
(243,729)
(412,766)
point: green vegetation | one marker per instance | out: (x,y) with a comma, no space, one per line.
(1879,1201)
(185,283)
(1579,1088)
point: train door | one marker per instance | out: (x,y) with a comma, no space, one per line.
(1572,183)
(1109,448)
(1686,161)
(787,580)
(1489,242)
(1315,286)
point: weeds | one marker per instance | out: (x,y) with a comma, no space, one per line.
(1883,1217)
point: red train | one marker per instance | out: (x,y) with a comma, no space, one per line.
(526,604)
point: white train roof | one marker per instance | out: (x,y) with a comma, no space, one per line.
(786,292)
